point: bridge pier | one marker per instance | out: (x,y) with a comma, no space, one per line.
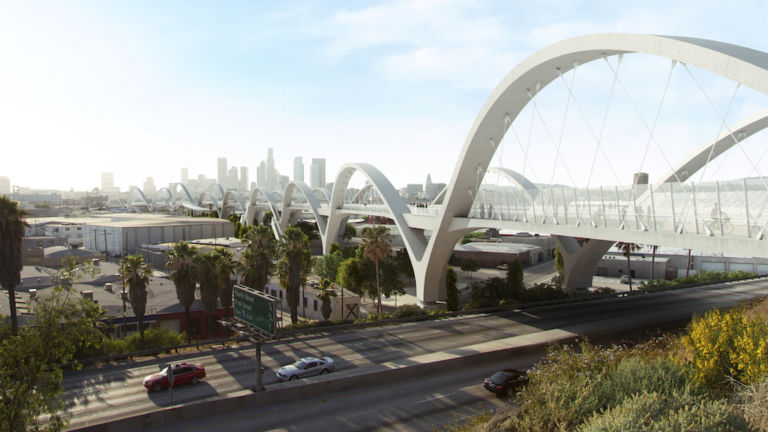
(580,259)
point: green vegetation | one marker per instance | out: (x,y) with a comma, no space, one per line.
(12,228)
(376,246)
(470,266)
(451,290)
(293,267)
(475,234)
(135,275)
(714,377)
(702,278)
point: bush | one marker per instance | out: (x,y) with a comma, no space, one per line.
(374,316)
(155,339)
(753,401)
(727,344)
(698,279)
(671,412)
(409,310)
(488,293)
(541,292)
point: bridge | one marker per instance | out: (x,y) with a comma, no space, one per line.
(682,208)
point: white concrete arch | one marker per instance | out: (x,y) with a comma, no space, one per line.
(743,65)
(314,205)
(519,180)
(143,197)
(719,145)
(361,193)
(225,213)
(213,199)
(413,239)
(252,210)
(324,194)
(169,199)
(185,190)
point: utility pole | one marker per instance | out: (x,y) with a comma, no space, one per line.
(125,327)
(106,248)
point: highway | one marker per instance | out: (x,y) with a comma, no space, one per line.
(97,395)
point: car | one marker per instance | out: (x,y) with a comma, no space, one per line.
(183,373)
(502,266)
(624,279)
(501,382)
(307,366)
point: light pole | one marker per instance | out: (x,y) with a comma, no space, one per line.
(125,327)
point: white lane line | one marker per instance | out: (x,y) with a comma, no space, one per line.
(435,397)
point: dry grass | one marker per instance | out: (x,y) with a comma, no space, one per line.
(753,400)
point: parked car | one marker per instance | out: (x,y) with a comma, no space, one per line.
(503,381)
(308,366)
(183,373)
(624,279)
(502,266)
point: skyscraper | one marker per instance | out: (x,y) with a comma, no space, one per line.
(149,186)
(298,169)
(243,187)
(108,182)
(222,171)
(232,180)
(185,175)
(261,175)
(5,186)
(317,173)
(271,173)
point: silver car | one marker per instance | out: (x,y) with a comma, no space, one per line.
(305,367)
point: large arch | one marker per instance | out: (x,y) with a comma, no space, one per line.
(743,65)
(314,205)
(252,211)
(186,192)
(225,213)
(143,197)
(414,239)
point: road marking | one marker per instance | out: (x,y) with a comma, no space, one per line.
(435,397)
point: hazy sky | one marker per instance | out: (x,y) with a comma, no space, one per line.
(144,88)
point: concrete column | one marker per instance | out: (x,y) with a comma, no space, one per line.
(580,260)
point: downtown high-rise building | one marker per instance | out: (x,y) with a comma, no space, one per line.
(222,173)
(149,186)
(108,183)
(298,169)
(232,179)
(272,176)
(261,175)
(5,186)
(317,173)
(185,175)
(244,185)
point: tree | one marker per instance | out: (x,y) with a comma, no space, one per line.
(207,275)
(294,266)
(627,249)
(653,260)
(182,267)
(349,276)
(309,229)
(327,266)
(325,294)
(451,290)
(470,265)
(515,278)
(12,227)
(559,261)
(135,274)
(391,283)
(267,218)
(258,256)
(349,232)
(404,265)
(225,268)
(376,245)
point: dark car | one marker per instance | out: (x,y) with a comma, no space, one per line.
(183,373)
(503,381)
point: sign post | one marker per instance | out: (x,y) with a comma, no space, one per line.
(170,380)
(255,316)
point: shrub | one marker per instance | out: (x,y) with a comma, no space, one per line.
(727,344)
(753,401)
(374,316)
(676,411)
(541,292)
(155,338)
(409,310)
(697,279)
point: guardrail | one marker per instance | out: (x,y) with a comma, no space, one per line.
(286,334)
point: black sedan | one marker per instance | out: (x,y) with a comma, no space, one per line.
(503,381)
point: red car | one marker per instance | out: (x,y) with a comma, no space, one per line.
(183,373)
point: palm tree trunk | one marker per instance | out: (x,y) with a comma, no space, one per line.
(378,286)
(141,330)
(653,260)
(186,324)
(12,303)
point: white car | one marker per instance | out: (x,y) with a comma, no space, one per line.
(308,366)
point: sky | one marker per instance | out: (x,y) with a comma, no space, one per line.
(144,88)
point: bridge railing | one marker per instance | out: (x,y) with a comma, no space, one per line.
(717,209)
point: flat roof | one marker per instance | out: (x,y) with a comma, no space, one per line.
(495,247)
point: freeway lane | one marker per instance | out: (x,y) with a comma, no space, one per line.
(94,396)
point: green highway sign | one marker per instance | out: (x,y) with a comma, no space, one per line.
(256,308)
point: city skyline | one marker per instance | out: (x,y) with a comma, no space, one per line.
(395,84)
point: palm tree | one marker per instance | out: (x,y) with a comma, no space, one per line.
(324,294)
(12,227)
(653,260)
(294,266)
(258,256)
(376,246)
(627,249)
(135,273)
(182,267)
(225,267)
(207,275)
